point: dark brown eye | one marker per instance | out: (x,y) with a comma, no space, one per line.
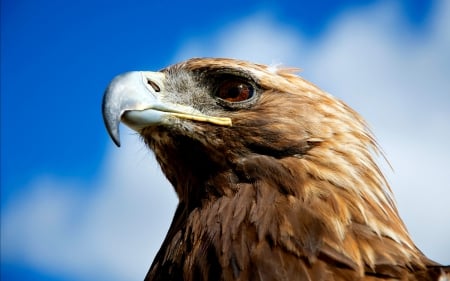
(235,91)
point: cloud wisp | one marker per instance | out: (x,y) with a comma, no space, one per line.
(111,233)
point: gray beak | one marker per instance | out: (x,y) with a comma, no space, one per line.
(127,92)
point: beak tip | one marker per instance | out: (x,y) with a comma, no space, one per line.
(112,125)
(113,130)
(116,140)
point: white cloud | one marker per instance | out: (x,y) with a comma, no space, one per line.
(396,79)
(258,38)
(100,235)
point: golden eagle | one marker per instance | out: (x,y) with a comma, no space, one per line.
(276,179)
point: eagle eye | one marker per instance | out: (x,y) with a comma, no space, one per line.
(235,90)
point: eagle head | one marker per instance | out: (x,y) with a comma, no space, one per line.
(274,176)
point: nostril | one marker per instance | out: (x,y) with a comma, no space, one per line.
(153,85)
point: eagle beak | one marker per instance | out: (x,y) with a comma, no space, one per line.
(135,99)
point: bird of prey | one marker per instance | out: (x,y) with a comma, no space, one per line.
(276,179)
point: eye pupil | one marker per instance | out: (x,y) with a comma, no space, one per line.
(235,91)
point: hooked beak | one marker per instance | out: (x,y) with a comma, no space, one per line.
(135,99)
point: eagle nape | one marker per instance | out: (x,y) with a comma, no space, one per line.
(276,179)
(135,98)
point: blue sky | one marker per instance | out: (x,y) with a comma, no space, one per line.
(74,207)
